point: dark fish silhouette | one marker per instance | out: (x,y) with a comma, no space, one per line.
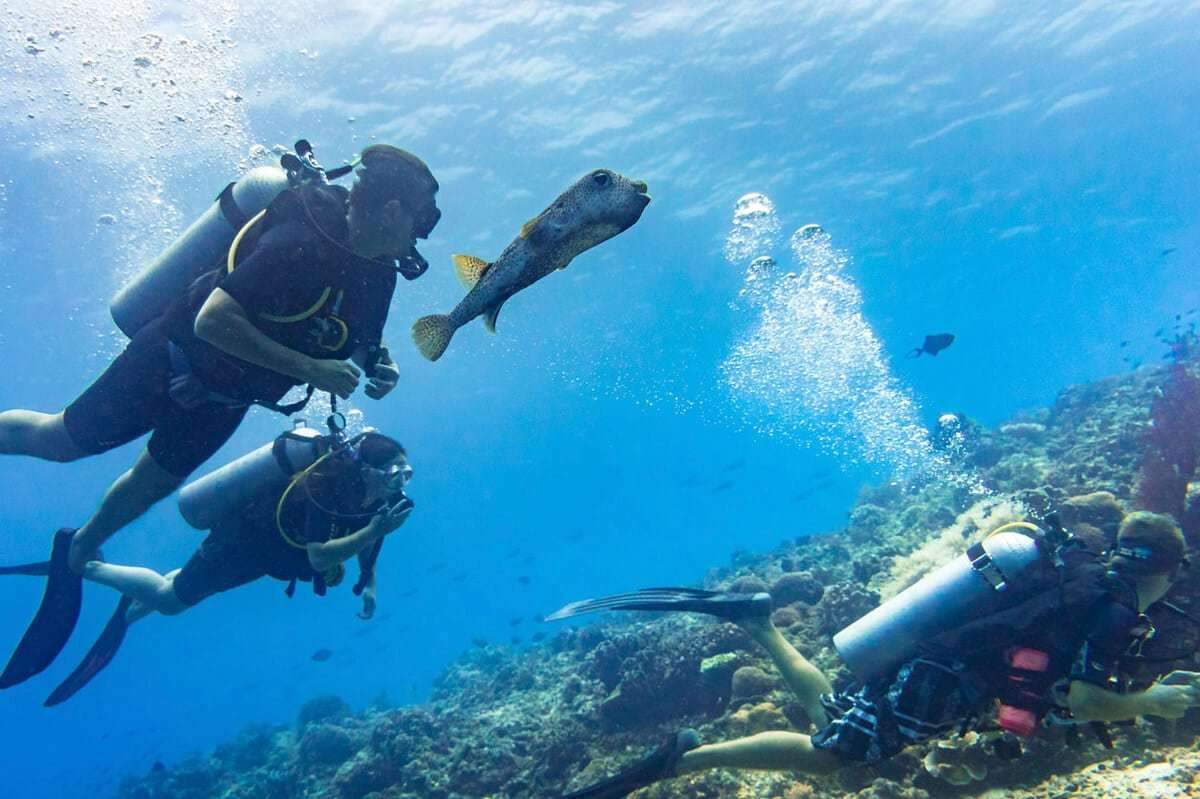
(934,343)
(735,465)
(1167,251)
(524,579)
(480,642)
(516,640)
(322,655)
(538,637)
(515,620)
(719,487)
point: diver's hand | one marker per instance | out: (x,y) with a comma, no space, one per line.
(336,377)
(394,516)
(383,380)
(1170,701)
(368,598)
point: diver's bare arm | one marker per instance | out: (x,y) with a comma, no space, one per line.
(339,550)
(1089,702)
(223,323)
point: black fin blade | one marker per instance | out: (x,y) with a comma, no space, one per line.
(55,619)
(97,658)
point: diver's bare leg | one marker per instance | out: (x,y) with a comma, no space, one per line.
(767,751)
(129,497)
(806,680)
(152,592)
(40,435)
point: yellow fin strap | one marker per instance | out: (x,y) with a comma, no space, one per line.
(300,317)
(231,258)
(528,227)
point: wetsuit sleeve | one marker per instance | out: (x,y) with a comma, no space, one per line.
(1109,636)
(277,276)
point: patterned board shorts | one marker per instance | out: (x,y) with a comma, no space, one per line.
(926,699)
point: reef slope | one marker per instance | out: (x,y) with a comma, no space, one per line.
(508,723)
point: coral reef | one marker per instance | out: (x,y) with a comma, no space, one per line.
(518,724)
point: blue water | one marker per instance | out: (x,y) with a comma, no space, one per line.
(1021,175)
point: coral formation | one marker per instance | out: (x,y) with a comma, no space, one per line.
(516,724)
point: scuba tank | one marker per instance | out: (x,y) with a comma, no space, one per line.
(205,501)
(204,244)
(985,579)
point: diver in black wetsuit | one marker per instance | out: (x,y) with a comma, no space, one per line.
(295,306)
(304,291)
(340,508)
(1087,618)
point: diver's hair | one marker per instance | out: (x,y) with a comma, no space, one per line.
(376,449)
(389,173)
(1157,532)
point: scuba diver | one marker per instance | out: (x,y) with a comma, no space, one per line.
(1042,629)
(221,322)
(347,495)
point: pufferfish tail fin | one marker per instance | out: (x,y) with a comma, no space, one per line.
(432,335)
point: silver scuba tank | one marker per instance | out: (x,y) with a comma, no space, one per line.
(199,249)
(204,501)
(984,580)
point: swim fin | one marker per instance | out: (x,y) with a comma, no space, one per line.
(39,569)
(99,656)
(658,765)
(55,618)
(728,606)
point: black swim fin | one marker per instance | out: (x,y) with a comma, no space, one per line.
(728,606)
(658,765)
(39,569)
(99,656)
(55,619)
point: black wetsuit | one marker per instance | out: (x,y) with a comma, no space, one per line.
(247,545)
(293,270)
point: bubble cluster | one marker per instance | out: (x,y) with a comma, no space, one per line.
(755,227)
(811,366)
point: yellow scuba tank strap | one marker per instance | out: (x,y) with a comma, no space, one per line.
(296,480)
(305,314)
(1028,527)
(231,258)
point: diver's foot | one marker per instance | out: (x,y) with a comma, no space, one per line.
(82,550)
(661,764)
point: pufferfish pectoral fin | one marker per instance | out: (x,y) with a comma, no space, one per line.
(469,269)
(489,317)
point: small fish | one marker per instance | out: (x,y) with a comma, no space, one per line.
(512,553)
(408,593)
(479,642)
(719,487)
(458,578)
(734,465)
(322,655)
(516,640)
(538,637)
(437,567)
(597,207)
(524,579)
(1124,344)
(158,766)
(1167,252)
(934,343)
(515,620)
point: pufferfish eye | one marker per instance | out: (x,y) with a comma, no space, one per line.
(601,179)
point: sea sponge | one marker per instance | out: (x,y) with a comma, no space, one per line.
(322,708)
(1100,509)
(796,587)
(842,604)
(758,718)
(325,745)
(868,523)
(750,681)
(785,617)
